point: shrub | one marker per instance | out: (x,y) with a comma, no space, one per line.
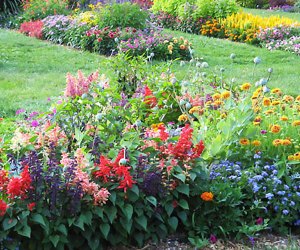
(253,3)
(33,29)
(215,9)
(170,7)
(277,3)
(122,16)
(39,9)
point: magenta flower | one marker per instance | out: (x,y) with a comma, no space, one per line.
(263,132)
(19,111)
(260,221)
(213,239)
(34,123)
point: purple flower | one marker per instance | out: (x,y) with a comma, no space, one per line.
(263,132)
(213,239)
(34,123)
(259,221)
(19,111)
(285,212)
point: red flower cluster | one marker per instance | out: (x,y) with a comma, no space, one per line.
(163,134)
(149,98)
(109,171)
(144,3)
(33,29)
(3,207)
(3,180)
(184,148)
(19,186)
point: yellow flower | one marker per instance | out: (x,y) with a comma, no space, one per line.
(266,101)
(244,141)
(274,103)
(269,111)
(297,156)
(225,95)
(286,142)
(284,118)
(246,86)
(196,109)
(182,47)
(296,123)
(275,128)
(183,118)
(276,91)
(170,47)
(216,96)
(298,98)
(291,158)
(175,40)
(223,115)
(256,143)
(288,98)
(276,142)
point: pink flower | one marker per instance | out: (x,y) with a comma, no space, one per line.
(213,239)
(101,197)
(259,221)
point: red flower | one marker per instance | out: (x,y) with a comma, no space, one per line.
(149,98)
(259,221)
(19,186)
(3,180)
(3,207)
(33,29)
(163,135)
(31,206)
(175,203)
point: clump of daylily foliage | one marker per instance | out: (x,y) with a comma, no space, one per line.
(109,165)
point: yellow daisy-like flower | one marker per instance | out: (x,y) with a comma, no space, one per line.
(269,111)
(170,47)
(246,86)
(267,101)
(218,103)
(216,96)
(244,141)
(256,143)
(277,142)
(291,158)
(156,126)
(276,91)
(275,103)
(288,98)
(182,47)
(286,142)
(284,118)
(194,109)
(296,123)
(275,128)
(208,103)
(183,118)
(223,115)
(298,98)
(225,95)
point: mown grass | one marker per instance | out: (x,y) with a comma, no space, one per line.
(32,70)
(267,13)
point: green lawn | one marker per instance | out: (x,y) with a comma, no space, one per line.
(32,70)
(267,13)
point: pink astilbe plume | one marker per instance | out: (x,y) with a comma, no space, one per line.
(80,85)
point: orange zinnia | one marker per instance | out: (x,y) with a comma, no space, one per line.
(207,196)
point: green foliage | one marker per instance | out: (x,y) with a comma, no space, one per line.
(173,7)
(39,9)
(215,8)
(253,3)
(10,6)
(122,16)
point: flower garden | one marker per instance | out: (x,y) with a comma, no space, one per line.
(144,154)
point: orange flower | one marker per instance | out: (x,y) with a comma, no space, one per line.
(225,95)
(275,128)
(266,102)
(207,196)
(276,142)
(298,98)
(286,142)
(244,141)
(183,118)
(274,103)
(284,118)
(256,143)
(269,111)
(182,47)
(246,86)
(276,91)
(296,123)
(216,96)
(288,98)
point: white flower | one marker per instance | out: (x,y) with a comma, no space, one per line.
(257,60)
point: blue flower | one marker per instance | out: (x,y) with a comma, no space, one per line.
(297,223)
(281,192)
(269,196)
(285,212)
(286,187)
(292,203)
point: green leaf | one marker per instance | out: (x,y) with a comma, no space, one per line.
(128,210)
(183,204)
(184,189)
(62,228)
(9,223)
(169,208)
(126,224)
(54,239)
(111,213)
(142,221)
(183,217)
(139,237)
(25,231)
(105,228)
(152,200)
(38,219)
(173,222)
(113,197)
(180,177)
